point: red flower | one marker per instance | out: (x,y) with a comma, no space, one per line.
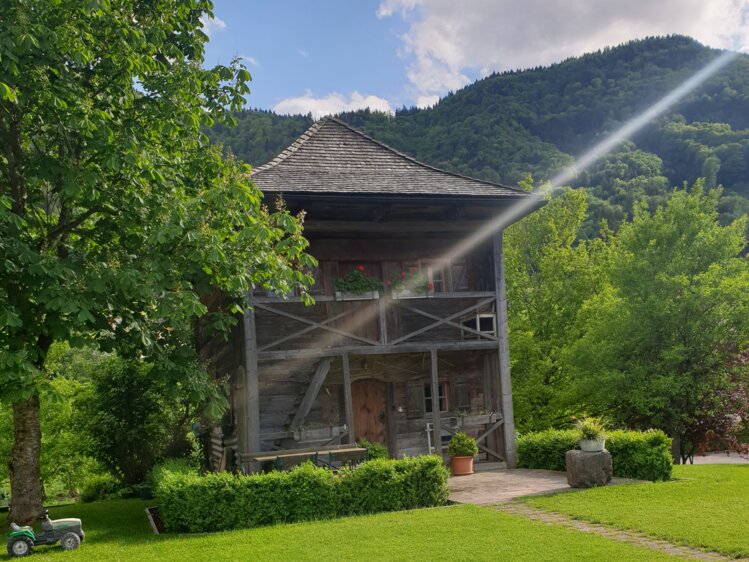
(430,286)
(360,267)
(413,269)
(388,282)
(403,273)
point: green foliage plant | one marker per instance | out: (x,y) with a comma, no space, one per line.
(412,280)
(220,501)
(357,281)
(100,487)
(642,455)
(462,445)
(375,450)
(661,342)
(591,428)
(116,213)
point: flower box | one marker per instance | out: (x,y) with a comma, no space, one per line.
(365,296)
(409,294)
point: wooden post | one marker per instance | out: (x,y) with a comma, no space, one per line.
(503,350)
(392,426)
(251,383)
(382,315)
(348,400)
(436,423)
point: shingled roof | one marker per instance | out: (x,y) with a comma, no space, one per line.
(333,158)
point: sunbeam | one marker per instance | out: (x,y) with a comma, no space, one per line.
(587,159)
(521,208)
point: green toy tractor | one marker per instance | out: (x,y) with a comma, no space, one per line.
(68,531)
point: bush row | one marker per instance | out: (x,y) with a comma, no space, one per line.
(644,455)
(219,502)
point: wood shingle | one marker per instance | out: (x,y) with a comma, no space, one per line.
(331,157)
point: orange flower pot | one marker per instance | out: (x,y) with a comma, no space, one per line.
(462,466)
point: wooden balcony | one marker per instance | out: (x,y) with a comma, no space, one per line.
(374,324)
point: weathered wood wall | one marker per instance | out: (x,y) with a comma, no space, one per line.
(283,384)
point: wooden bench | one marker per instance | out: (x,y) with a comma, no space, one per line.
(324,456)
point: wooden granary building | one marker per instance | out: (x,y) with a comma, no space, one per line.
(405,366)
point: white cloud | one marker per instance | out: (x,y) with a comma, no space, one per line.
(303,53)
(331,104)
(427,101)
(211,25)
(448,40)
(252,61)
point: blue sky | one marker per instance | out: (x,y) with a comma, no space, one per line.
(326,56)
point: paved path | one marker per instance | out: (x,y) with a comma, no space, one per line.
(631,537)
(486,488)
(721,458)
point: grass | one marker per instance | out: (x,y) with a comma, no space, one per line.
(704,506)
(118,530)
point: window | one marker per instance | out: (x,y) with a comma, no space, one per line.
(485,323)
(445,277)
(442,397)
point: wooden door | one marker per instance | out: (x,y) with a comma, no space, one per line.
(369,402)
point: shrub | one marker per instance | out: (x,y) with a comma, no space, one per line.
(546,449)
(217,502)
(635,454)
(375,450)
(641,455)
(99,487)
(174,466)
(462,445)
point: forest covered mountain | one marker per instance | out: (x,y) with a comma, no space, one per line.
(512,124)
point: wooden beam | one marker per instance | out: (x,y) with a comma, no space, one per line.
(392,425)
(330,298)
(448,320)
(382,317)
(348,399)
(320,325)
(312,390)
(436,423)
(503,351)
(423,347)
(304,330)
(251,382)
(416,226)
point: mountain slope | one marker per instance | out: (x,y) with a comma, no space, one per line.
(509,125)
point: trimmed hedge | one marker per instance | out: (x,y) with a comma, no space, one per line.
(222,501)
(643,455)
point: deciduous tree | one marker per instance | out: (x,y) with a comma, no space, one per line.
(115,212)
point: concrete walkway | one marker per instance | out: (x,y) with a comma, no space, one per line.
(723,457)
(501,486)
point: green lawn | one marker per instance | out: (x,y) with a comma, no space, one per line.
(705,506)
(118,531)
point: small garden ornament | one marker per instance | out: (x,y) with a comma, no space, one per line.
(462,448)
(22,539)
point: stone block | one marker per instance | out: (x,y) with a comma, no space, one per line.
(585,470)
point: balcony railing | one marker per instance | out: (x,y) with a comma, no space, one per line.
(374,323)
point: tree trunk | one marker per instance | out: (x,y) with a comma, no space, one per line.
(27,492)
(676,447)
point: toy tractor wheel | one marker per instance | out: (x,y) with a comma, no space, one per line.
(70,541)
(19,546)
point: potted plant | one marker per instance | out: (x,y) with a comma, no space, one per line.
(409,284)
(591,434)
(357,285)
(462,448)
